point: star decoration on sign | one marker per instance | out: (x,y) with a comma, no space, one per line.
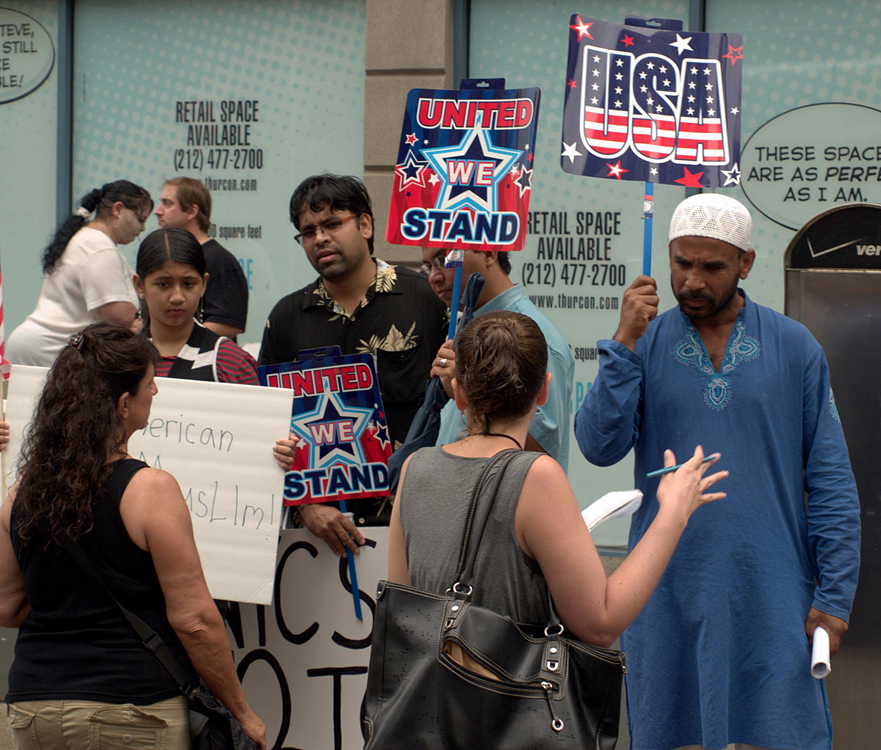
(582,28)
(334,450)
(571,152)
(411,139)
(690,179)
(572,84)
(732,176)
(524,180)
(653,170)
(381,434)
(433,179)
(627,41)
(412,171)
(616,170)
(734,53)
(735,111)
(476,147)
(682,44)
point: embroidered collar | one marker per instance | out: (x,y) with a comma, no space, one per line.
(691,352)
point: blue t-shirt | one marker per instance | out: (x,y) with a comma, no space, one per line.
(550,426)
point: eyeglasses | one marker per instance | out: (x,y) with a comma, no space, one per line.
(328,226)
(436,263)
(142,219)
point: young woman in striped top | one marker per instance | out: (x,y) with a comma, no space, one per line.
(170,279)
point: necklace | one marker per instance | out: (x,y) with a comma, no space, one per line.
(502,434)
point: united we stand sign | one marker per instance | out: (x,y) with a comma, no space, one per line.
(654,104)
(464,172)
(337,414)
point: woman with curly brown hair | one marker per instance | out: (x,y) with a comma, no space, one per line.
(81,677)
(535,538)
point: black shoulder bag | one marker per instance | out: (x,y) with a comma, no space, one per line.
(512,686)
(212,725)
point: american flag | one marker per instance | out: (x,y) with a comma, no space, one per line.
(5,367)
(656,105)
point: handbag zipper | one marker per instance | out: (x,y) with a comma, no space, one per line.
(606,655)
(557,723)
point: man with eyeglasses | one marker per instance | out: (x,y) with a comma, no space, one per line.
(361,304)
(549,430)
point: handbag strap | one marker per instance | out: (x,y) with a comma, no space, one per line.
(487,486)
(471,527)
(150,638)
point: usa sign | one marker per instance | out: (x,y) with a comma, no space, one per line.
(652,104)
(464,172)
(337,414)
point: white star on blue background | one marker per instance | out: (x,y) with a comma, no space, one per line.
(475,146)
(330,409)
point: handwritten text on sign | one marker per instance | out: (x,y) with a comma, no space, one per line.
(216,440)
(303,662)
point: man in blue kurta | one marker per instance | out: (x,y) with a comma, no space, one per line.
(549,430)
(721,652)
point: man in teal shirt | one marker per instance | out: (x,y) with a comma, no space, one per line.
(549,430)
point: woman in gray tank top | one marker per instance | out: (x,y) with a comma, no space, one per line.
(535,539)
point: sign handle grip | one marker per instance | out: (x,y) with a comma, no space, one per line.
(353,575)
(454,308)
(648,212)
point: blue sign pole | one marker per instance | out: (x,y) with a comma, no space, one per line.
(648,213)
(454,309)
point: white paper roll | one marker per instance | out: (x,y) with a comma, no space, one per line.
(820,660)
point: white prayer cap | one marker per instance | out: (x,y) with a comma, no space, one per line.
(713,215)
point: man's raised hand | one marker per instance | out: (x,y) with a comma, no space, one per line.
(639,308)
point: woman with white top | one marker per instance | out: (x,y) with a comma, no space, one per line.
(87,279)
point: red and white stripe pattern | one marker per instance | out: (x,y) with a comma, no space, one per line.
(701,141)
(5,367)
(655,137)
(605,134)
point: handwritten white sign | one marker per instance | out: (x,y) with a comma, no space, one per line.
(216,440)
(303,661)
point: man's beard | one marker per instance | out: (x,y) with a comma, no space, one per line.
(710,310)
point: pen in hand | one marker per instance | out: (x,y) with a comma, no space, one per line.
(670,469)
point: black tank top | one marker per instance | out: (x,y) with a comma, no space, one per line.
(75,643)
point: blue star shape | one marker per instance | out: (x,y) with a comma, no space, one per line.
(330,409)
(475,146)
(411,171)
(382,434)
(524,180)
